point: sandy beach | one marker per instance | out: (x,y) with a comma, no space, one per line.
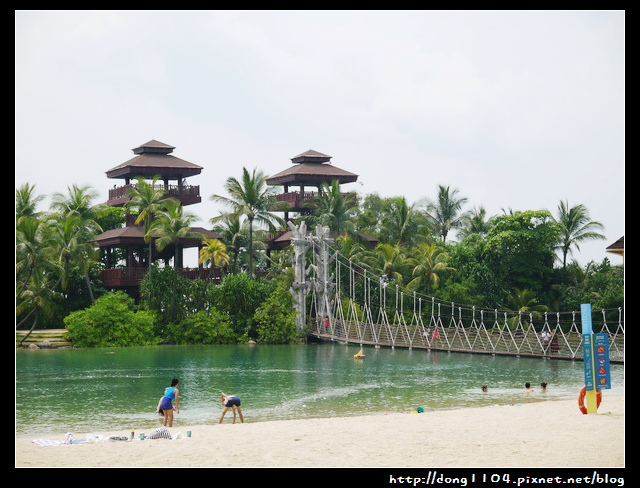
(539,434)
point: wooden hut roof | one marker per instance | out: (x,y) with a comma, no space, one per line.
(134,235)
(617,247)
(154,158)
(312,168)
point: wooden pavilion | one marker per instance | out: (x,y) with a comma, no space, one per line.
(310,169)
(125,270)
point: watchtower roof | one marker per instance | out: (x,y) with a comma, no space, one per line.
(154,159)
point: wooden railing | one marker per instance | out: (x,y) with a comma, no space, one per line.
(127,277)
(295,198)
(187,194)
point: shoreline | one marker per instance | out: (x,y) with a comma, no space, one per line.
(546,434)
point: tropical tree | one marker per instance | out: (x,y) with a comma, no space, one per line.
(213,253)
(32,251)
(251,198)
(445,212)
(430,262)
(401,222)
(169,227)
(73,223)
(146,199)
(27,202)
(519,249)
(235,235)
(388,259)
(575,228)
(79,203)
(526,303)
(475,222)
(333,209)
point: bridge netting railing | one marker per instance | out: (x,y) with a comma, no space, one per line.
(359,307)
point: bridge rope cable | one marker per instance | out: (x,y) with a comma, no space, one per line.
(356,293)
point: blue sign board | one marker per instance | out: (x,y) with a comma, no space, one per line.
(587,356)
(595,353)
(601,361)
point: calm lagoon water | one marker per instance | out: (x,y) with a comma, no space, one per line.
(85,390)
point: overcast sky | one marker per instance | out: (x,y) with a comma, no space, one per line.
(517,110)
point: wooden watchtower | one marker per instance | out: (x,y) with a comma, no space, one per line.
(308,173)
(310,169)
(153,159)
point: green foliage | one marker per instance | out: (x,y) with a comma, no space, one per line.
(203,327)
(275,318)
(240,296)
(520,246)
(113,321)
(166,294)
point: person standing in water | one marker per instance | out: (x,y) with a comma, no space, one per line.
(233,402)
(165,405)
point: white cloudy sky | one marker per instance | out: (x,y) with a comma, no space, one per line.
(517,110)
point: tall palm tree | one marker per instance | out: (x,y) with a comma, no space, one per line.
(170,226)
(27,202)
(32,251)
(445,212)
(333,209)
(235,235)
(576,227)
(251,198)
(146,199)
(475,222)
(79,203)
(402,223)
(74,220)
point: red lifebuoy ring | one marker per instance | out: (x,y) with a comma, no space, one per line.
(583,392)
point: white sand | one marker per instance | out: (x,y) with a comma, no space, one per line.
(542,434)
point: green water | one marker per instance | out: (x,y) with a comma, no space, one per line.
(84,390)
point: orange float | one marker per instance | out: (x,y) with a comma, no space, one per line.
(581,404)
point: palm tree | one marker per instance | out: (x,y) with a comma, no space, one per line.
(74,225)
(388,259)
(251,198)
(26,202)
(79,203)
(576,227)
(332,209)
(475,222)
(170,226)
(32,251)
(213,252)
(429,264)
(235,235)
(38,297)
(525,301)
(146,199)
(399,224)
(445,211)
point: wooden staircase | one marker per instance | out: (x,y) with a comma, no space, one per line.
(45,338)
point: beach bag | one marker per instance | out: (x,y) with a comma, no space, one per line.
(160,433)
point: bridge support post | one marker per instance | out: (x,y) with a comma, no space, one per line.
(314,277)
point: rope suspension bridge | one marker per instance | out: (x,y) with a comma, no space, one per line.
(339,301)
